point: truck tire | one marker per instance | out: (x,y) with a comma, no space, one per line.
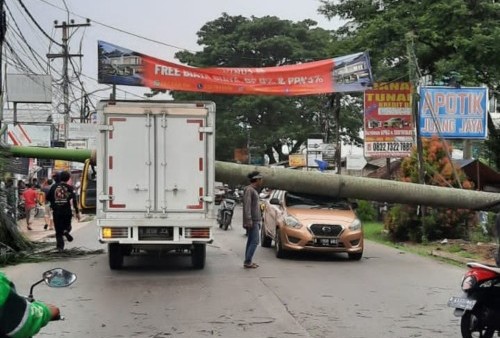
(115,256)
(198,255)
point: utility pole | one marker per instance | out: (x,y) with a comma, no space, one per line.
(413,75)
(66,59)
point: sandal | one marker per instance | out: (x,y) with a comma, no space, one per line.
(250,266)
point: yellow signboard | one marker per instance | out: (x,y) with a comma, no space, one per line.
(297,160)
(60,165)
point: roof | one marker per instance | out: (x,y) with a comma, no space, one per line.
(483,176)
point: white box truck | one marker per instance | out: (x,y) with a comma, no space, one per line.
(155,178)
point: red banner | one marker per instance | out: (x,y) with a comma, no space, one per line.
(121,66)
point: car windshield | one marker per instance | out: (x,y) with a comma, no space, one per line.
(315,201)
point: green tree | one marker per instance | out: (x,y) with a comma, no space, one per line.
(266,123)
(403,223)
(459,38)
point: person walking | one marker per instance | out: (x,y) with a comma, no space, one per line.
(49,220)
(30,196)
(61,196)
(252,217)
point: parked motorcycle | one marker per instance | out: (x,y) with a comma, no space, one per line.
(479,304)
(225,213)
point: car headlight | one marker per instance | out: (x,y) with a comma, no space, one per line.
(356,225)
(292,222)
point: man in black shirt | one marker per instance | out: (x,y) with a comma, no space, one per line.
(60,196)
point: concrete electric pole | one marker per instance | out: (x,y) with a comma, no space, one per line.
(66,59)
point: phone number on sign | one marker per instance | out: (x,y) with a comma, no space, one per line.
(390,146)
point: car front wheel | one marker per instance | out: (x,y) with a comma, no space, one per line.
(280,253)
(265,240)
(355,256)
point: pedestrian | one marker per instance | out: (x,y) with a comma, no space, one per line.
(252,217)
(61,196)
(30,196)
(49,219)
(18,317)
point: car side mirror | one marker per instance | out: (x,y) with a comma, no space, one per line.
(275,201)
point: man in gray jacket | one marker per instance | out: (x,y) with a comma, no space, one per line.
(252,217)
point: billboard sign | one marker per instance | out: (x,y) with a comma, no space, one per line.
(388,120)
(122,66)
(29,88)
(454,113)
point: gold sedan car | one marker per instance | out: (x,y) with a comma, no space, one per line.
(303,222)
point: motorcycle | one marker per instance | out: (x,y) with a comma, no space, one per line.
(479,304)
(225,213)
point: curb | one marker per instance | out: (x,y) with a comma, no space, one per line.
(457,258)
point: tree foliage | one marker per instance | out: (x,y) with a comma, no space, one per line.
(457,40)
(266,123)
(403,223)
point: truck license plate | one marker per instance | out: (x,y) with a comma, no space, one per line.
(154,233)
(461,303)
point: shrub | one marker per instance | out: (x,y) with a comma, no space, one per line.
(366,211)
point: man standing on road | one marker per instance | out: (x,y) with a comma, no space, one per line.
(252,217)
(60,196)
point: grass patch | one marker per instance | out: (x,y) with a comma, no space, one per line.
(374,231)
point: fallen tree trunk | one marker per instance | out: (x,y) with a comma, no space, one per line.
(370,189)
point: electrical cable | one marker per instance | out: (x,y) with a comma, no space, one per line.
(38,25)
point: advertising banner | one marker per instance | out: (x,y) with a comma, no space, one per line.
(459,113)
(121,66)
(388,121)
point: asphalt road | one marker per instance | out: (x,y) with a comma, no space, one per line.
(387,294)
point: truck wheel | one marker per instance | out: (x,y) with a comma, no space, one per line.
(115,256)
(198,254)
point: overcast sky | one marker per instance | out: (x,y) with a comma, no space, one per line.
(171,22)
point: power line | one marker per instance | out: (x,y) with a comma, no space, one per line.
(37,25)
(119,29)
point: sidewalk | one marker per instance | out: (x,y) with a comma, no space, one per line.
(39,234)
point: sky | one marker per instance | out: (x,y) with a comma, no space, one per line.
(174,23)
(158,28)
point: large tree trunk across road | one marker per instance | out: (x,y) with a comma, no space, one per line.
(370,189)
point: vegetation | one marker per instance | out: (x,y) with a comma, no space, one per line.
(422,224)
(462,49)
(267,123)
